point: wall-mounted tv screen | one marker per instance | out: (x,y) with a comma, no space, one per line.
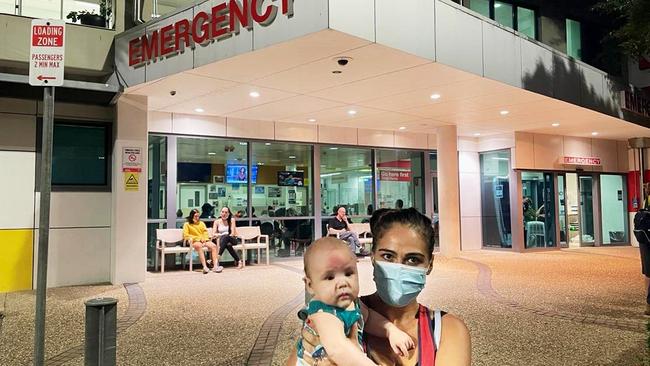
(193,172)
(238,173)
(292,179)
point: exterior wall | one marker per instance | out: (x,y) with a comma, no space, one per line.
(79,244)
(480,46)
(129,208)
(188,124)
(469,177)
(545,152)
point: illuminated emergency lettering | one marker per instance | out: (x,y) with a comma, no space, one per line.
(223,21)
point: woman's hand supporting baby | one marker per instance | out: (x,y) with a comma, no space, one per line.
(378,325)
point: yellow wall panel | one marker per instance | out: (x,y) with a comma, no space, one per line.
(16,260)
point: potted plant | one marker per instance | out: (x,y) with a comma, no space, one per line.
(90,18)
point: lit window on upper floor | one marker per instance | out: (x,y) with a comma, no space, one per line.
(573,39)
(512,16)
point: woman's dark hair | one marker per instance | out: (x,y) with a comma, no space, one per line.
(190,217)
(384,218)
(229,218)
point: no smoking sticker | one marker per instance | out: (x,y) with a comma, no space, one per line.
(131,159)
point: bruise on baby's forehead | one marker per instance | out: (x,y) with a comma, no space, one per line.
(337,258)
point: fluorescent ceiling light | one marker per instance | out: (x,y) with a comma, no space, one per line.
(506,159)
(199,110)
(435,96)
(268,144)
(329,175)
(312,120)
(402,128)
(504,112)
(334,148)
(254,94)
(594,133)
(555,124)
(292,157)
(477,134)
(212,153)
(352,112)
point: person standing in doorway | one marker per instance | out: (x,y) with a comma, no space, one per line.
(399,204)
(340,225)
(642,233)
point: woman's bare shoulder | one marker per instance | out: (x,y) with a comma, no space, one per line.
(455,344)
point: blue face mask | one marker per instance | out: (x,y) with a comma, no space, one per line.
(397,284)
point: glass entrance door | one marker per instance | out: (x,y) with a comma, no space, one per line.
(585,186)
(562,211)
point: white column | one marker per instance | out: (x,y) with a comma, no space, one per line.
(449,195)
(129,216)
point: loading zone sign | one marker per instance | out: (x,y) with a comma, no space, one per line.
(46,52)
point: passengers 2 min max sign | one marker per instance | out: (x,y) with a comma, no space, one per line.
(46,52)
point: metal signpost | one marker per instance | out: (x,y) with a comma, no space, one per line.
(47,51)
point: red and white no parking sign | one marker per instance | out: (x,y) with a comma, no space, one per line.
(46,52)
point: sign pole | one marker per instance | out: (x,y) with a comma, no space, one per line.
(44,223)
(46,67)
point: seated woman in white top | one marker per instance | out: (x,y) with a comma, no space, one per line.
(225,231)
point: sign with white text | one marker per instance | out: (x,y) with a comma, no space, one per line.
(46,52)
(575,160)
(395,175)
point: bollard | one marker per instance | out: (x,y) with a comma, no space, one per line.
(101,332)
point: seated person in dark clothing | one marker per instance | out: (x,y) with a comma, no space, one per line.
(254,222)
(339,224)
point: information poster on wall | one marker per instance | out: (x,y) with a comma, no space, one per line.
(131,159)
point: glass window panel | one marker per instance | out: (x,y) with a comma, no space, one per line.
(76,146)
(573,39)
(480,6)
(612,209)
(562,201)
(495,198)
(8,6)
(585,184)
(170,261)
(538,209)
(283,186)
(346,179)
(503,13)
(400,179)
(157,177)
(90,6)
(211,174)
(526,22)
(41,8)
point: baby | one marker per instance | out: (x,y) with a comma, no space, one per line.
(335,314)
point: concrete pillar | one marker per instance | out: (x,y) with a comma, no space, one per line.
(448,188)
(129,216)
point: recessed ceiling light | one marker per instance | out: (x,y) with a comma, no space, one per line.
(402,128)
(199,110)
(212,153)
(555,124)
(352,112)
(243,143)
(504,112)
(268,144)
(594,133)
(292,156)
(312,120)
(477,134)
(260,163)
(435,96)
(334,148)
(254,94)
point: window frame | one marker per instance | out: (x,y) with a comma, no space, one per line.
(566,37)
(108,155)
(515,5)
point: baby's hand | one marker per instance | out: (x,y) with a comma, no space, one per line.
(399,341)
